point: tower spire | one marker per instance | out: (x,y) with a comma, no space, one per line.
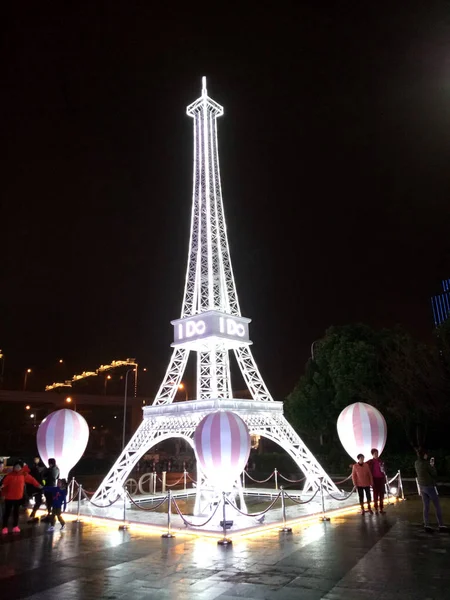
(204,90)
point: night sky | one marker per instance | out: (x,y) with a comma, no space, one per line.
(335,162)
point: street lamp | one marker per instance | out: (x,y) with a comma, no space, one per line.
(181,386)
(107,378)
(69,400)
(2,356)
(125,404)
(27,372)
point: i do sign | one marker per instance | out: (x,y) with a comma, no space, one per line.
(211,324)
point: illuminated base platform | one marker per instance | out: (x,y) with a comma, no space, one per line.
(157,521)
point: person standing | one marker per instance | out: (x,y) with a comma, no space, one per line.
(362,479)
(426,478)
(50,477)
(36,472)
(13,487)
(379,480)
(59,503)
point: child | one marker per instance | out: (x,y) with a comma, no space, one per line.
(58,497)
(362,479)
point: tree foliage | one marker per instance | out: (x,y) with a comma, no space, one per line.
(405,379)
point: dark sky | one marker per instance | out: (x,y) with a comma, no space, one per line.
(335,160)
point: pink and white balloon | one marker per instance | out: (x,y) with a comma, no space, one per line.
(63,435)
(361,427)
(222,447)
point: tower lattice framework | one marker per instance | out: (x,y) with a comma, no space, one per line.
(211,325)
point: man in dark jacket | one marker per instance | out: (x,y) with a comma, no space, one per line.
(36,472)
(50,477)
(426,479)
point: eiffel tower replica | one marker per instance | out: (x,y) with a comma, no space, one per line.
(211,325)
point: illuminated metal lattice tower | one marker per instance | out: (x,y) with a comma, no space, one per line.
(211,325)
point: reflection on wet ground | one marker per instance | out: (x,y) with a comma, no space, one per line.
(348,558)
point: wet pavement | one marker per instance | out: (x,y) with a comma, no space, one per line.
(351,557)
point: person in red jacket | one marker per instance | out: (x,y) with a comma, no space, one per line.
(362,479)
(13,487)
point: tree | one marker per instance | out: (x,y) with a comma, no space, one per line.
(345,365)
(414,386)
(405,379)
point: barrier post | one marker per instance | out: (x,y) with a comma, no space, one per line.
(164,475)
(169,516)
(276,478)
(284,529)
(124,525)
(224,541)
(154,483)
(72,488)
(400,482)
(184,479)
(80,493)
(323,517)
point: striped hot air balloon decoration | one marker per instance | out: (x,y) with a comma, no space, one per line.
(222,447)
(361,427)
(63,435)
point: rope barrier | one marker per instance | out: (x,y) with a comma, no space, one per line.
(301,501)
(102,505)
(344,480)
(345,497)
(171,484)
(193,480)
(188,523)
(147,509)
(259,514)
(257,481)
(291,480)
(393,479)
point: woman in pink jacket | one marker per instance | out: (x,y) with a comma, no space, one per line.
(362,479)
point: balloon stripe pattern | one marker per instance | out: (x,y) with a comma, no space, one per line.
(63,435)
(222,446)
(362,427)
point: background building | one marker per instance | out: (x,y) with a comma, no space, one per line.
(441,304)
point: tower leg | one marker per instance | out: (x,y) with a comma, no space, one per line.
(251,374)
(277,429)
(173,376)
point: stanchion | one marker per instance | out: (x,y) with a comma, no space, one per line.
(224,541)
(80,493)
(164,475)
(124,525)
(184,479)
(275,472)
(400,484)
(284,529)
(323,517)
(71,488)
(154,483)
(169,515)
